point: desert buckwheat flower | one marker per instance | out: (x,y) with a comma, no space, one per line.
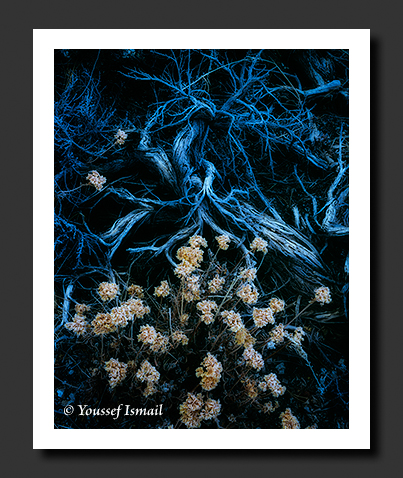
(197,241)
(253,358)
(103,324)
(250,388)
(121,315)
(232,319)
(136,290)
(147,334)
(277,334)
(262,317)
(211,409)
(147,373)
(223,242)
(183,319)
(243,337)
(322,295)
(178,336)
(210,372)
(268,407)
(190,410)
(192,288)
(121,137)
(184,269)
(96,180)
(276,305)
(248,274)
(259,245)
(116,370)
(248,293)
(297,337)
(193,255)
(216,284)
(162,290)
(81,309)
(137,307)
(272,383)
(79,325)
(288,421)
(206,307)
(160,343)
(108,290)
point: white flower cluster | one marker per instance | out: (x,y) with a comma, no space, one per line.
(117,371)
(192,412)
(272,383)
(148,373)
(120,136)
(248,293)
(223,242)
(253,358)
(248,274)
(262,317)
(210,372)
(233,320)
(216,284)
(288,420)
(162,290)
(96,180)
(206,307)
(108,290)
(322,295)
(157,341)
(79,325)
(259,245)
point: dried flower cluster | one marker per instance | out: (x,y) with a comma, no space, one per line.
(253,358)
(262,317)
(117,371)
(206,307)
(288,421)
(157,341)
(276,305)
(96,180)
(223,242)
(244,338)
(120,136)
(277,334)
(233,320)
(180,337)
(210,372)
(78,326)
(103,324)
(197,241)
(108,290)
(259,245)
(136,290)
(149,374)
(248,293)
(177,323)
(193,410)
(216,284)
(272,383)
(81,309)
(162,290)
(250,388)
(322,295)
(248,274)
(268,407)
(191,290)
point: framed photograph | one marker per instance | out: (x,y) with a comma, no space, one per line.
(192,231)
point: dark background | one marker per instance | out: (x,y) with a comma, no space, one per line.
(384,21)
